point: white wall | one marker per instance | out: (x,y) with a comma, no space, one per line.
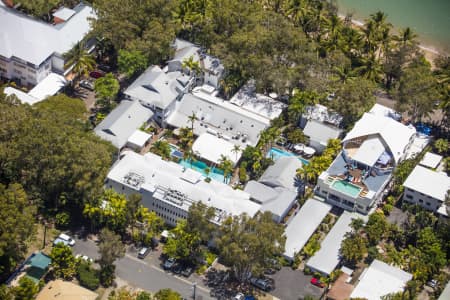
(423,200)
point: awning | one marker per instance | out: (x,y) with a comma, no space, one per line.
(369,151)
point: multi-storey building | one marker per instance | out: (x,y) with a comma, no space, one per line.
(359,175)
(31,49)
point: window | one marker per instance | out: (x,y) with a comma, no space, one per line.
(409,196)
(420,201)
(428,203)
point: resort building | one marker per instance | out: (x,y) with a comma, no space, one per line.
(120,124)
(277,189)
(212,69)
(31,49)
(169,188)
(359,175)
(159,91)
(379,280)
(320,125)
(427,188)
(328,257)
(301,227)
(218,117)
(259,104)
(431,161)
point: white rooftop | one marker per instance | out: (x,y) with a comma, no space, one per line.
(395,135)
(328,257)
(428,182)
(248,99)
(216,115)
(369,151)
(34,41)
(211,147)
(159,174)
(139,138)
(431,160)
(64,13)
(22,96)
(49,86)
(303,225)
(380,279)
(322,114)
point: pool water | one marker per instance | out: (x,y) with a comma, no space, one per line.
(276,153)
(346,188)
(199,166)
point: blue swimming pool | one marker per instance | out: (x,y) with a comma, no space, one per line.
(276,153)
(199,166)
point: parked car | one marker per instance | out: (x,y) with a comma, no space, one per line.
(169,263)
(239,296)
(104,68)
(89,85)
(96,74)
(432,283)
(261,284)
(65,239)
(143,252)
(187,271)
(317,282)
(84,257)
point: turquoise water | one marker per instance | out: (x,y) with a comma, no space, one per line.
(346,187)
(276,153)
(199,166)
(429,19)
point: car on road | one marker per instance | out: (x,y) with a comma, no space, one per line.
(96,74)
(169,263)
(89,85)
(262,284)
(317,282)
(65,239)
(143,252)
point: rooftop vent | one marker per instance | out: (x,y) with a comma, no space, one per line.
(134,179)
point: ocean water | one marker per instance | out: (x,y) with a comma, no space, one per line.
(430,19)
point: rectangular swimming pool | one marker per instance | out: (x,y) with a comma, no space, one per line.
(276,153)
(199,166)
(346,188)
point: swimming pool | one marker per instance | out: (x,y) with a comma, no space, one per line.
(175,152)
(276,153)
(346,188)
(199,166)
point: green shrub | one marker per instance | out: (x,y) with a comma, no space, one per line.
(62,219)
(387,208)
(88,277)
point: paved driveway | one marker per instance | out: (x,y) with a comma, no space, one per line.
(293,285)
(146,274)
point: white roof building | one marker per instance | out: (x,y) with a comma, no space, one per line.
(51,85)
(428,182)
(34,41)
(138,139)
(122,122)
(303,225)
(262,105)
(328,257)
(219,117)
(380,279)
(158,181)
(431,160)
(211,147)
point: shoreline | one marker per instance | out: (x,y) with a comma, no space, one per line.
(430,52)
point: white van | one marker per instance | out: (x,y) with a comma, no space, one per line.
(67,239)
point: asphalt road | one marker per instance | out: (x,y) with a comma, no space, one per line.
(145,274)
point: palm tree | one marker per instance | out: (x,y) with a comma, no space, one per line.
(189,155)
(192,65)
(407,36)
(226,165)
(81,61)
(370,68)
(161,148)
(185,137)
(236,149)
(192,118)
(344,73)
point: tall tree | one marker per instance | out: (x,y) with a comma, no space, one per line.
(247,243)
(26,290)
(417,90)
(81,61)
(131,62)
(16,226)
(110,248)
(63,261)
(106,89)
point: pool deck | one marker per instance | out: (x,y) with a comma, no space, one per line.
(276,152)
